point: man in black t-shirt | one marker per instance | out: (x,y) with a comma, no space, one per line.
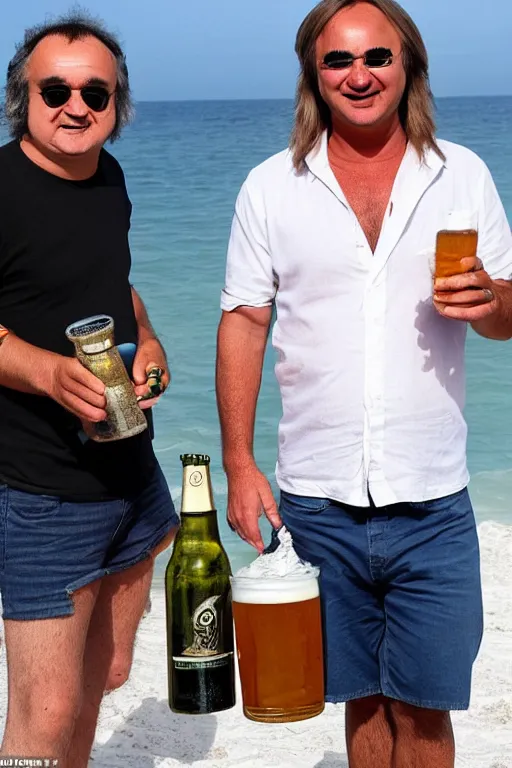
(80,521)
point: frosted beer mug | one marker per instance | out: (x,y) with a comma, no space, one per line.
(93,339)
(279,644)
(458,241)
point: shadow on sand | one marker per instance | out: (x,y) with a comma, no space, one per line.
(153,731)
(332,760)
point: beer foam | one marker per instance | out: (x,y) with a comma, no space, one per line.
(276,577)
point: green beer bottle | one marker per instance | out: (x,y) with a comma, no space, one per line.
(200,642)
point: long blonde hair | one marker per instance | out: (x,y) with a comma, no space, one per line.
(312,115)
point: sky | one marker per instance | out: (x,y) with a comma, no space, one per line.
(244,49)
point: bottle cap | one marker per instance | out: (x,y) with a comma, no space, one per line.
(460,221)
(195,460)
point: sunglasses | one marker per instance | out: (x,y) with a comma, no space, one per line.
(96,97)
(375,58)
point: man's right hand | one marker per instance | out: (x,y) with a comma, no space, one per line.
(250,496)
(77,389)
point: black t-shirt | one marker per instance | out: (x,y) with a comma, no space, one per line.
(64,256)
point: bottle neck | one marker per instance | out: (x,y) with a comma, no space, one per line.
(203,526)
(198,513)
(197,492)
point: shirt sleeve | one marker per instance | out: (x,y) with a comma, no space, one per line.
(494,235)
(249,275)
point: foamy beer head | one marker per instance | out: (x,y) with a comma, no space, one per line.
(276,607)
(274,591)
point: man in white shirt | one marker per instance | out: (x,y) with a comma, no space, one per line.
(339,233)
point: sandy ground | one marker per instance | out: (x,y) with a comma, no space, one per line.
(137,729)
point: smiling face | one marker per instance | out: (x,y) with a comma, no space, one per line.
(74,128)
(360,95)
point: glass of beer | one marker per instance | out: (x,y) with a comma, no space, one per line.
(279,643)
(458,241)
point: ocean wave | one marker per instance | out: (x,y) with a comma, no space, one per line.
(491,494)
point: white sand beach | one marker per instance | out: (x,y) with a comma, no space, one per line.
(137,729)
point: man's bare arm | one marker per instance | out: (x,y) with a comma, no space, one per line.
(498,325)
(241,343)
(36,371)
(144,327)
(24,367)
(150,353)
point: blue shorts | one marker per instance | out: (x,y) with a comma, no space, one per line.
(49,548)
(401,596)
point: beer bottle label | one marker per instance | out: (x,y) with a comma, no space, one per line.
(205,650)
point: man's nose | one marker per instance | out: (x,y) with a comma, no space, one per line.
(359,77)
(76,107)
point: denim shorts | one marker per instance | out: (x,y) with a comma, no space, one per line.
(49,548)
(401,596)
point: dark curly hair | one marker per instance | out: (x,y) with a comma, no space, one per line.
(76,25)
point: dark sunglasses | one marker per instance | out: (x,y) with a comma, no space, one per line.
(375,58)
(96,97)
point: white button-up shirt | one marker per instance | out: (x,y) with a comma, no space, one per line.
(371,376)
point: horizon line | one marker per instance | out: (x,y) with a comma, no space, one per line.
(291,98)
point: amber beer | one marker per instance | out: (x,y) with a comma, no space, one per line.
(454,244)
(279,643)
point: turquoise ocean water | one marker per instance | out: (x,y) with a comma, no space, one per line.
(184,163)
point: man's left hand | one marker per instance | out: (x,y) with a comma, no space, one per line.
(150,357)
(469,296)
